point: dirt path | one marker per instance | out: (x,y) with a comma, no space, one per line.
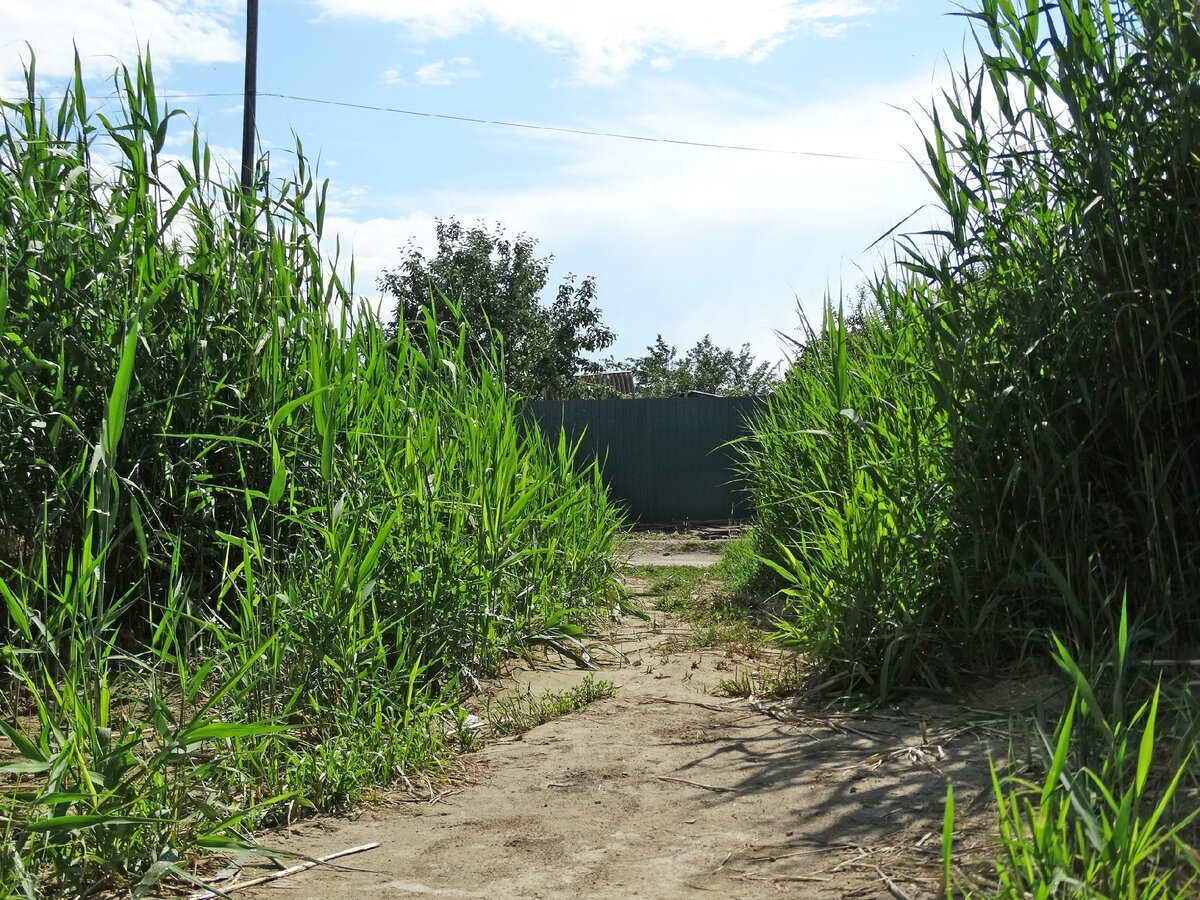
(672,550)
(671,790)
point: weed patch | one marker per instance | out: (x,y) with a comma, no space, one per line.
(768,680)
(701,598)
(518,714)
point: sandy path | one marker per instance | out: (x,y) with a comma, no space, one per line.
(669,790)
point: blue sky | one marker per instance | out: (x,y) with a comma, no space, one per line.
(683,241)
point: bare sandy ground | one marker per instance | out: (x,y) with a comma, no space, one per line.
(683,549)
(671,790)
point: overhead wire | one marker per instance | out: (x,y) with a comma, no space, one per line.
(531,126)
(558,129)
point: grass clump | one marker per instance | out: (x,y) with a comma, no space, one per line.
(521,712)
(252,550)
(676,589)
(741,570)
(786,677)
(1115,802)
(699,595)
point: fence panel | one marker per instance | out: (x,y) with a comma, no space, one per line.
(665,460)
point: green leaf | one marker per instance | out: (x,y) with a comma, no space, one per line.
(88,820)
(367,566)
(118,400)
(16,609)
(1146,750)
(198,733)
(282,414)
(166,864)
(26,768)
(278,476)
(24,745)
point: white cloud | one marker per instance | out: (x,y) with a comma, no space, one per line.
(437,73)
(340,200)
(829,30)
(445,71)
(689,241)
(653,189)
(111,32)
(606,39)
(392,77)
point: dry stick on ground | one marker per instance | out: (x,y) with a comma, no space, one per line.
(817,879)
(275,876)
(863,859)
(831,722)
(707,787)
(894,889)
(709,706)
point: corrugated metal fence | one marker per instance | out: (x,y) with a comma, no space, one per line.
(664,460)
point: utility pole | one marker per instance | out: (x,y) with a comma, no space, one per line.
(249,106)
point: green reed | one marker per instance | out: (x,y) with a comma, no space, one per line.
(1066,333)
(1005,442)
(846,470)
(1008,437)
(251,551)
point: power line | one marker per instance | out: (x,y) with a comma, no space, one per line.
(531,126)
(559,129)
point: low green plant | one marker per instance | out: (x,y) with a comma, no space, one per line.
(1107,820)
(741,570)
(516,714)
(676,589)
(782,678)
(701,596)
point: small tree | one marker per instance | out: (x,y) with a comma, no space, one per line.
(706,367)
(497,283)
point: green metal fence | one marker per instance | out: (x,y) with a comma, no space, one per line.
(665,460)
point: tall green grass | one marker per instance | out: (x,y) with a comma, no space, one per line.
(1066,333)
(1006,444)
(846,470)
(251,551)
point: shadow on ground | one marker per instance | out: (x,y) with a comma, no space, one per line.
(672,790)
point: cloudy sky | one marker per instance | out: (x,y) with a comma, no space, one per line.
(683,240)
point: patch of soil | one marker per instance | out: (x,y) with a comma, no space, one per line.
(671,790)
(673,549)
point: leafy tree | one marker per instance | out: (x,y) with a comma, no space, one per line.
(662,372)
(497,283)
